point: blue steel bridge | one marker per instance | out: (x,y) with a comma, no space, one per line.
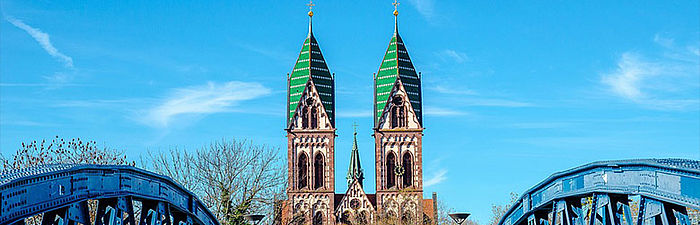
(61,192)
(627,192)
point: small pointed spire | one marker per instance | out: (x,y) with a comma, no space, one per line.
(355,170)
(311,14)
(396,16)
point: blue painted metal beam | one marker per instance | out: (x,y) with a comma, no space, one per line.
(604,187)
(61,190)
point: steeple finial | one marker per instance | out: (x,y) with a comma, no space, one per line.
(355,170)
(311,6)
(396,16)
(311,14)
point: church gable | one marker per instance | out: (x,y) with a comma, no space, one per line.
(310,112)
(398,112)
(355,205)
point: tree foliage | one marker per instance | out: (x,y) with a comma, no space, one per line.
(231,177)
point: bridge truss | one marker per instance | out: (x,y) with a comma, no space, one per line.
(626,192)
(120,195)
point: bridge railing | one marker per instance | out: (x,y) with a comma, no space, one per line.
(60,193)
(659,192)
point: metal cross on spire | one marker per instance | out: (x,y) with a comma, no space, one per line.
(311,6)
(311,14)
(354,127)
(396,7)
(396,16)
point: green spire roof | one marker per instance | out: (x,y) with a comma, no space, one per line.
(396,65)
(311,66)
(355,169)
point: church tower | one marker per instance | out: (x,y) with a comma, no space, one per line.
(311,135)
(398,133)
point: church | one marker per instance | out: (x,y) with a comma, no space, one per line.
(398,133)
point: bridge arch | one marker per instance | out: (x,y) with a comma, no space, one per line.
(622,192)
(61,193)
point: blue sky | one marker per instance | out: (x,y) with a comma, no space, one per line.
(513,91)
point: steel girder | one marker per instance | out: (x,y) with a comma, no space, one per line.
(61,194)
(624,192)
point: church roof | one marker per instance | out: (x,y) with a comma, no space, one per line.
(396,66)
(355,169)
(311,66)
(339,197)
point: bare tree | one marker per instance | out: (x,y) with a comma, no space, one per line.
(444,218)
(59,150)
(232,178)
(498,211)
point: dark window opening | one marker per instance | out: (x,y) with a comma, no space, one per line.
(408,170)
(305,117)
(318,171)
(391,170)
(314,118)
(303,174)
(398,112)
(318,219)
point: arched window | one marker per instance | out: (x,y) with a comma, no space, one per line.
(394,117)
(398,112)
(305,117)
(408,170)
(318,219)
(391,170)
(314,117)
(303,171)
(402,116)
(309,114)
(318,171)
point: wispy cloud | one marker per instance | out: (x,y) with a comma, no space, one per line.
(45,85)
(437,111)
(470,97)
(27,123)
(452,90)
(594,144)
(456,56)
(275,54)
(43,40)
(668,80)
(436,178)
(630,73)
(542,125)
(425,7)
(354,114)
(495,102)
(59,79)
(202,100)
(99,103)
(53,81)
